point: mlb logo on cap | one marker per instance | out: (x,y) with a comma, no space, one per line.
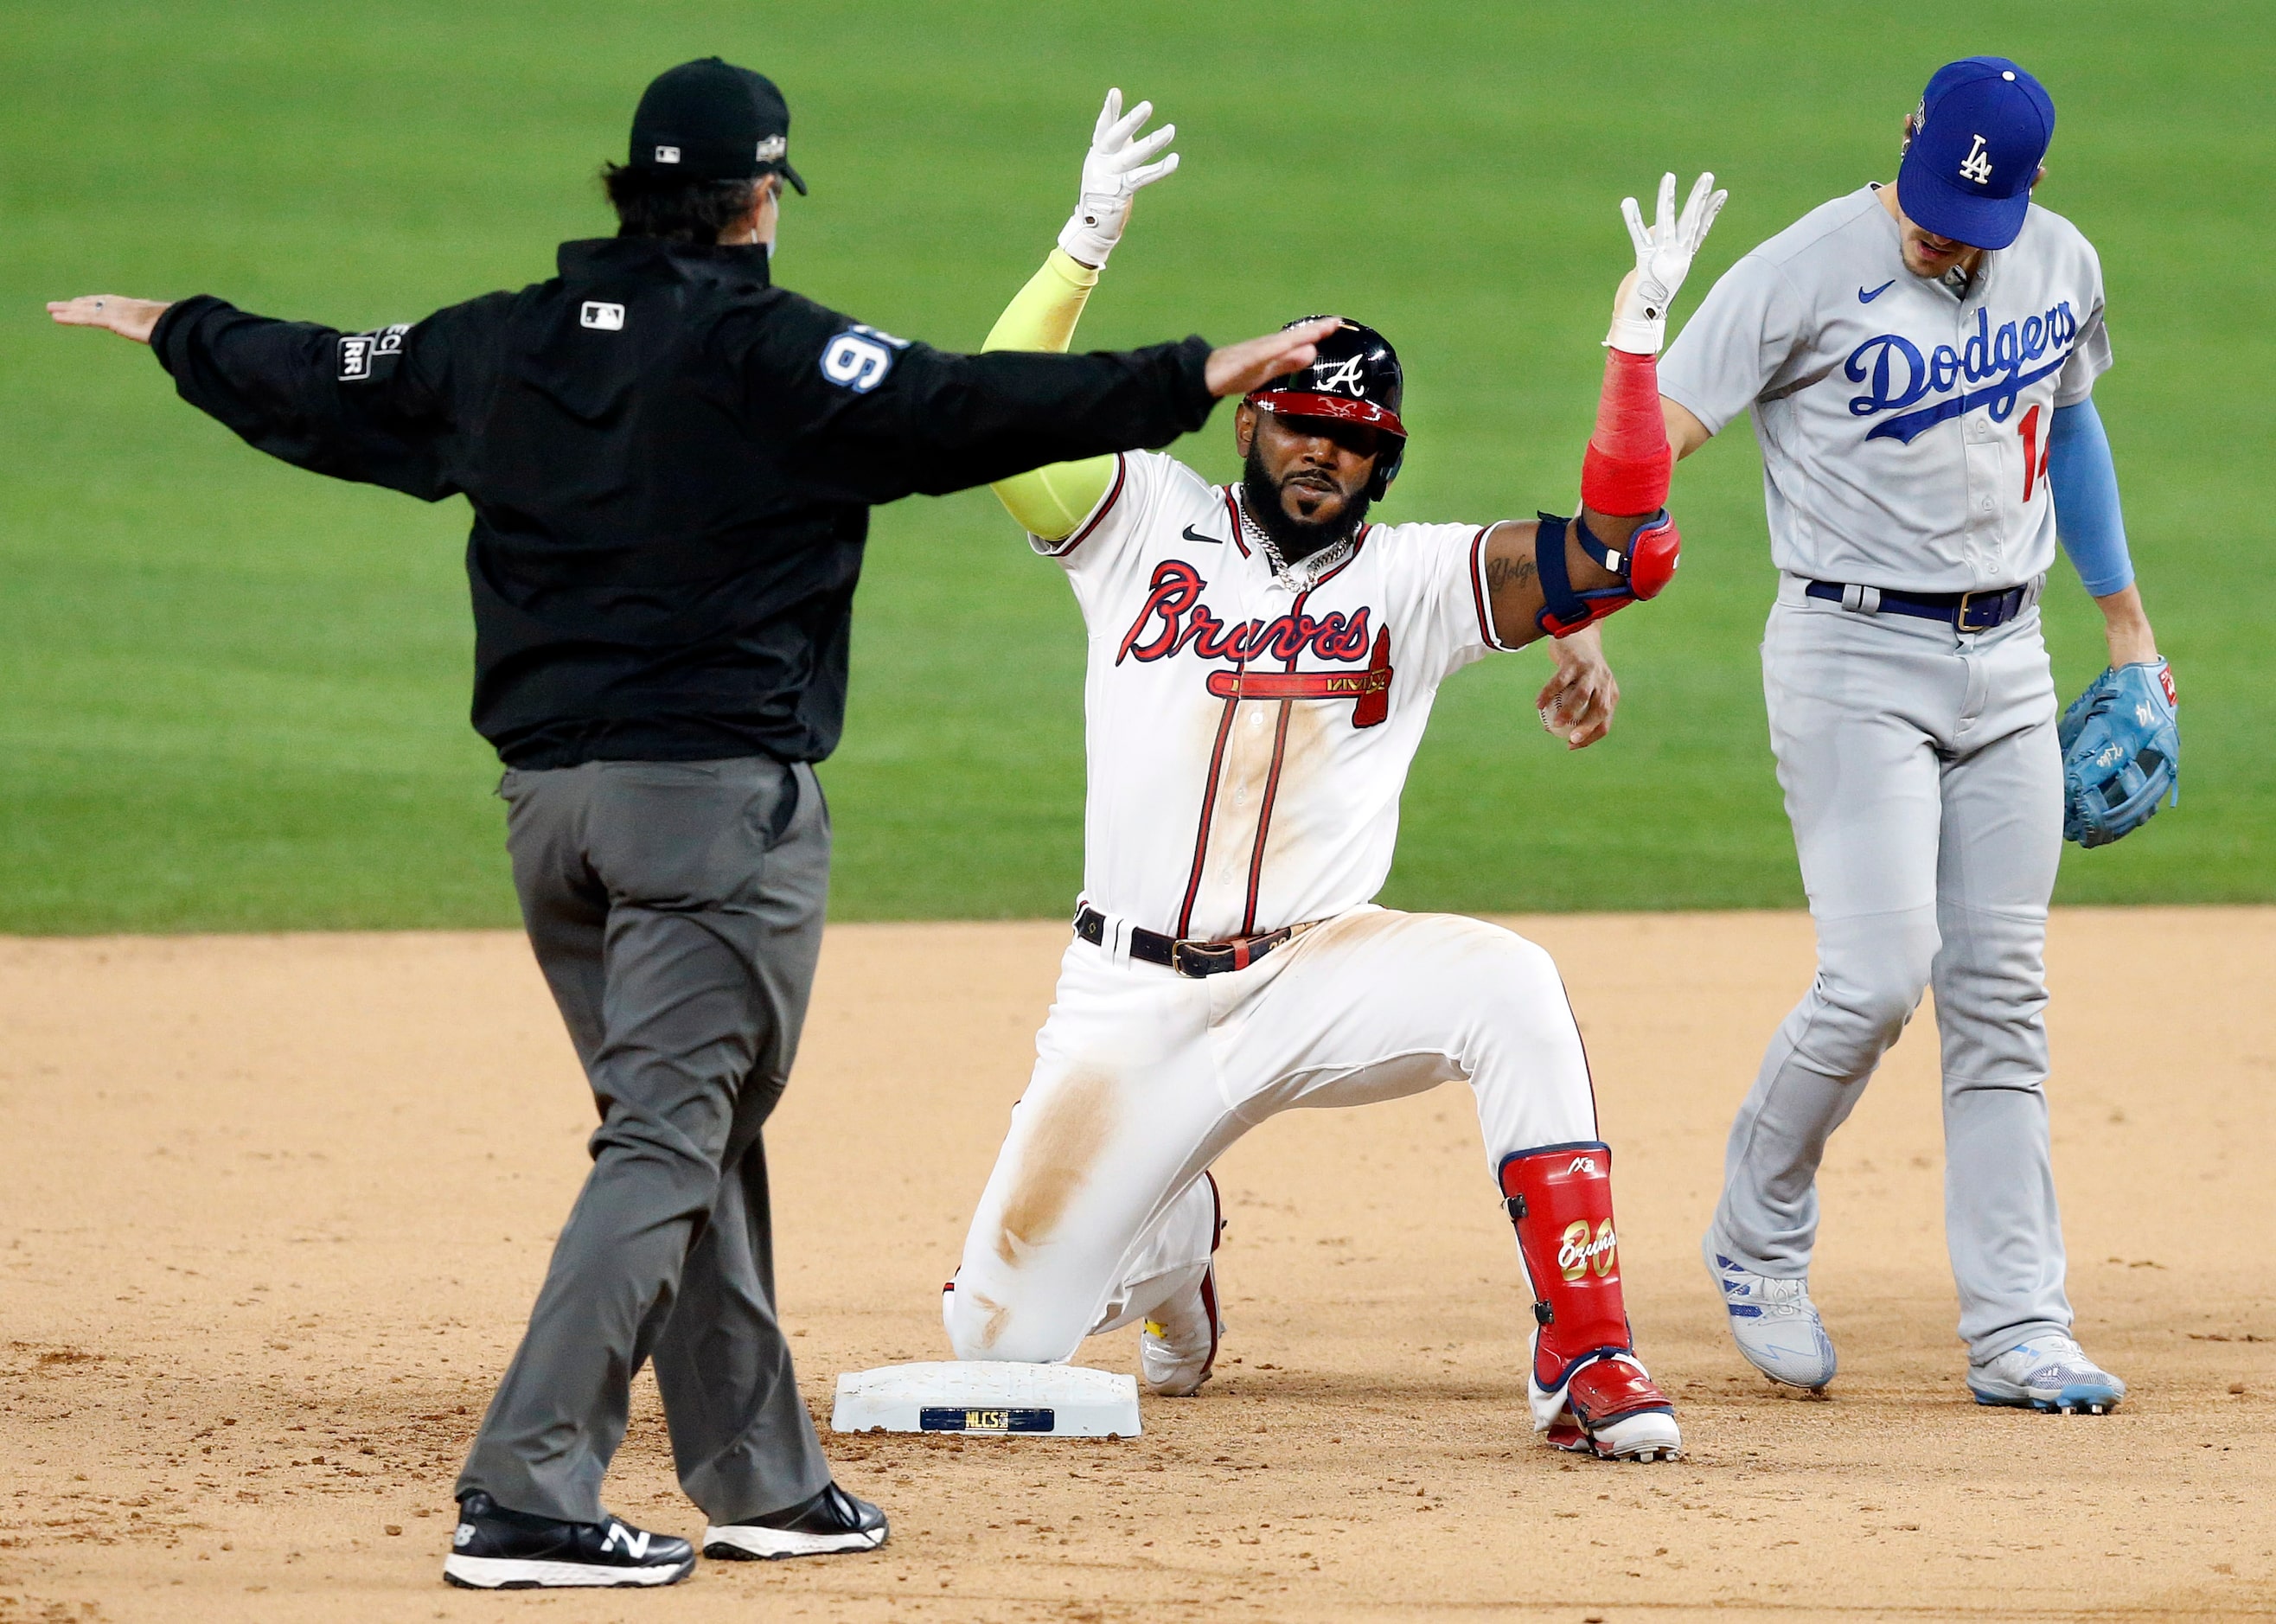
(1985,125)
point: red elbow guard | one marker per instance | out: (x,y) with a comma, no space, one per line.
(1628,460)
(1654,551)
(1560,1200)
(1645,568)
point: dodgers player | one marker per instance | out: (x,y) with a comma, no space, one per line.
(1262,664)
(1919,361)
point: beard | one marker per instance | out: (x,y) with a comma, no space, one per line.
(1296,538)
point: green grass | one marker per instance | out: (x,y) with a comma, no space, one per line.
(231,696)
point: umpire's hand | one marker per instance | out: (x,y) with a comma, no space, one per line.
(129,318)
(1238,368)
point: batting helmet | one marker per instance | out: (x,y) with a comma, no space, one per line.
(1356,379)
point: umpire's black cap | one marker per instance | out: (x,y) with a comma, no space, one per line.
(710,120)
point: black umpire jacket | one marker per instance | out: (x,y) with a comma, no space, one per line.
(672,463)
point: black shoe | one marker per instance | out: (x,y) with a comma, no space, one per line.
(496,1548)
(832,1521)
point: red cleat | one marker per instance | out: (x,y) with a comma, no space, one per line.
(1615,1411)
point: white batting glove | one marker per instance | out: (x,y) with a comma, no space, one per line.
(1114,170)
(1664,256)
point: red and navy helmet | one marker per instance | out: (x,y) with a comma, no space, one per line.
(1354,378)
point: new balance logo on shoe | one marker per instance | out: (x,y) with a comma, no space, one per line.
(635,1544)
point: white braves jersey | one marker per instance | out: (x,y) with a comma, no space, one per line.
(1246,739)
(1903,427)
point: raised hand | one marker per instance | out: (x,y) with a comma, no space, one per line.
(1115,169)
(1664,251)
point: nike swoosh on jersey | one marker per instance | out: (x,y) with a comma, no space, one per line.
(1192,535)
(1864,298)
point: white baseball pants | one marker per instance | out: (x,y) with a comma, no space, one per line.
(1096,1213)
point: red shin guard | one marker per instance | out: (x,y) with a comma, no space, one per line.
(1626,468)
(1560,1199)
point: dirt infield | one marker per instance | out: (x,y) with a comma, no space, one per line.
(272,1209)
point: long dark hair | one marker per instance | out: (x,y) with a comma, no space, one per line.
(676,209)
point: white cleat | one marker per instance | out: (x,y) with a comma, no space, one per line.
(1177,1352)
(1177,1347)
(1775,1323)
(1652,1436)
(2050,1373)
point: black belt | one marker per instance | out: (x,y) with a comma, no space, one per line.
(1967,612)
(1188,957)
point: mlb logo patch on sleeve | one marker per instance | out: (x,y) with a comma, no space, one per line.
(607,317)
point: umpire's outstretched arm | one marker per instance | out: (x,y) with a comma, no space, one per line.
(930,422)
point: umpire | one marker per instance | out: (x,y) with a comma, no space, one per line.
(671,462)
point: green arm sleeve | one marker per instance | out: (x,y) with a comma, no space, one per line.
(1049,502)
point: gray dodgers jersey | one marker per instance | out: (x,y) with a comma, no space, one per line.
(1903,428)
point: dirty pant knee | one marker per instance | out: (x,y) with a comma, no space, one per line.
(1008,1318)
(1041,1310)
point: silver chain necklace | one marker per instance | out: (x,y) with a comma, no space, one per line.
(1305,573)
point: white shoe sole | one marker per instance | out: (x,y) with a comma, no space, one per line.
(499,1573)
(2076,1399)
(736,1544)
(1648,1437)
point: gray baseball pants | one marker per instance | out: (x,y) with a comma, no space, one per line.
(1926,790)
(676,909)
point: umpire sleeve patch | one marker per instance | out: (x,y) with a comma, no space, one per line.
(361,353)
(860,359)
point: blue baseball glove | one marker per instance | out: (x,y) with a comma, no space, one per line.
(2122,748)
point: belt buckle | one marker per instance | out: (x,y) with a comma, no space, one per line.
(1195,960)
(1209,959)
(1997,596)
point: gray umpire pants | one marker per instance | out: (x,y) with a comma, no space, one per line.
(1926,790)
(676,909)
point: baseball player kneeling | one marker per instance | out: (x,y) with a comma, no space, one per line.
(1261,663)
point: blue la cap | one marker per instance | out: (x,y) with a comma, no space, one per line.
(1985,125)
